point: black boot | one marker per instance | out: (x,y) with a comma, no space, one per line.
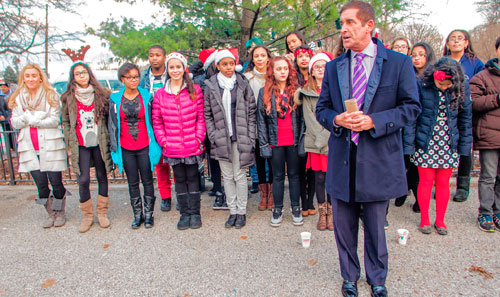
(182,202)
(194,210)
(136,203)
(149,207)
(255,188)
(240,221)
(166,204)
(463,183)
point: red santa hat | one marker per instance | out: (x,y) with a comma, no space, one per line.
(228,53)
(207,57)
(323,56)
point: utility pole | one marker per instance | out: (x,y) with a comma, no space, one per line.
(47,38)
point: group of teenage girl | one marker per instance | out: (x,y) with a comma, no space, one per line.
(264,115)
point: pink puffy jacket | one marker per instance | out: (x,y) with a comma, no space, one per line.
(179,123)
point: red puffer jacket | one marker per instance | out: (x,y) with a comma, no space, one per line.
(179,123)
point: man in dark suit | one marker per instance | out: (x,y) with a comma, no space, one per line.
(365,160)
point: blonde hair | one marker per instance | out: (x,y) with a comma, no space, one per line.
(51,93)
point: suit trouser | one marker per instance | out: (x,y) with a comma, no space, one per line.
(346,225)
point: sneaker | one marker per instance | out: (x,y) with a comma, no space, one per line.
(219,201)
(496,221)
(386,225)
(298,220)
(485,223)
(277,217)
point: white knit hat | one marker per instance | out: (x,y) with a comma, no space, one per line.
(228,53)
(178,56)
(318,57)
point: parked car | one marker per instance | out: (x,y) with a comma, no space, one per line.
(107,78)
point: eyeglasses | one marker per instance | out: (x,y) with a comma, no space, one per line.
(85,72)
(317,67)
(400,47)
(459,38)
(419,56)
(131,77)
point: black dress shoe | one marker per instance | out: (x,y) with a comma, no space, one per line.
(349,289)
(400,201)
(379,291)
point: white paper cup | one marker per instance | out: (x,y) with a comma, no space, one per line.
(402,236)
(306,239)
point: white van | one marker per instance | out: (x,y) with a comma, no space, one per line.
(107,78)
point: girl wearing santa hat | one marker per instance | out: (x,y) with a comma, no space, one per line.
(231,128)
(179,126)
(315,141)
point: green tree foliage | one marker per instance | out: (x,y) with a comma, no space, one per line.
(10,75)
(195,24)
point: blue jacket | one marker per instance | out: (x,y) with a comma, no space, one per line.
(460,122)
(391,100)
(114,129)
(471,67)
(146,76)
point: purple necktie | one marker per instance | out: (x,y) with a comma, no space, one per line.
(359,83)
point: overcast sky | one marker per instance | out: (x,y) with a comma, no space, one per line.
(445,14)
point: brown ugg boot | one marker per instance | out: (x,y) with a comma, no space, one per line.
(263,196)
(329,217)
(270,199)
(59,207)
(322,217)
(49,222)
(88,216)
(102,210)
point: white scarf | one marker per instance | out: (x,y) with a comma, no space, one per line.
(32,105)
(227,83)
(85,95)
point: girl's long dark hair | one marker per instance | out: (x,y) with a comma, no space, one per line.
(271,87)
(251,65)
(101,94)
(454,69)
(429,54)
(468,51)
(299,35)
(300,77)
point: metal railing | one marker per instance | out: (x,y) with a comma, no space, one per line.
(9,163)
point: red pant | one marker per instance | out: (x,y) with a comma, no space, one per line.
(427,178)
(163,179)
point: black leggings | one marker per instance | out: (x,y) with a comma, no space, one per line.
(42,183)
(261,167)
(186,178)
(319,183)
(135,163)
(465,165)
(85,156)
(215,173)
(288,155)
(307,184)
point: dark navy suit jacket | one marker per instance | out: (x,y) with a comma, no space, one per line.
(391,100)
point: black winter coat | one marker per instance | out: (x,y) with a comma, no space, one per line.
(267,124)
(460,122)
(215,121)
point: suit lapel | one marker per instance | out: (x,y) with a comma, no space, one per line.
(344,74)
(373,83)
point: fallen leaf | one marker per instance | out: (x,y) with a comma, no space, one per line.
(106,246)
(243,237)
(2,291)
(481,271)
(254,218)
(187,295)
(32,197)
(48,283)
(312,262)
(110,204)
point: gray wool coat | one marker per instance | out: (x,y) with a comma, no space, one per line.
(245,118)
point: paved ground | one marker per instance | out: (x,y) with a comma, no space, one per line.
(257,260)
